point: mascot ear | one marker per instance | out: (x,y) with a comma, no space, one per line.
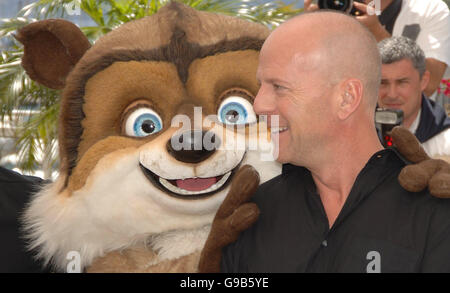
(52,47)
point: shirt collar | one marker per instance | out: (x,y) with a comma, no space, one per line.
(383,160)
(381,166)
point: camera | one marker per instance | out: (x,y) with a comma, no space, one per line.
(341,5)
(386,120)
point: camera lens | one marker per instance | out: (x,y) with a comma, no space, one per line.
(341,5)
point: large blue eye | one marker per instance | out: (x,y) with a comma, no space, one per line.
(236,110)
(143,122)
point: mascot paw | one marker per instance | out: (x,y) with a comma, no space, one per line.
(235,215)
(425,172)
(439,184)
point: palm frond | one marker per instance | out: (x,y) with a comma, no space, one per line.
(44,9)
(37,138)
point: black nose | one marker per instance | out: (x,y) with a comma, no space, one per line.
(193,146)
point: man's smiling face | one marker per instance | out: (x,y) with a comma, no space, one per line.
(293,86)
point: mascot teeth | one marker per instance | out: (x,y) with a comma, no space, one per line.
(278,129)
(190,188)
(194,186)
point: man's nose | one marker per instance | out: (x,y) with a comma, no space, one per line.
(392,91)
(263,103)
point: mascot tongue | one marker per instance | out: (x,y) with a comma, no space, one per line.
(196,184)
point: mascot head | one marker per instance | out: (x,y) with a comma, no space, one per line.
(155,119)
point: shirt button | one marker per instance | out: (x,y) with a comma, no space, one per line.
(324,243)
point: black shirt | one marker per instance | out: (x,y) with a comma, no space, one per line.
(15,192)
(381,226)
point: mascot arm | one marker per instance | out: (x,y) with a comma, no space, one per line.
(425,172)
(235,215)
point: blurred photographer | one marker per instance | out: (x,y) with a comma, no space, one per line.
(425,22)
(403,80)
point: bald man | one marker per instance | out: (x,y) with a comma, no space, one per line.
(337,206)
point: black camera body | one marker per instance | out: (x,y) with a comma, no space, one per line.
(387,119)
(341,5)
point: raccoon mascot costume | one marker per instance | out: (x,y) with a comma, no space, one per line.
(126,199)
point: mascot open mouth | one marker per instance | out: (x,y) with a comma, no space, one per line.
(190,188)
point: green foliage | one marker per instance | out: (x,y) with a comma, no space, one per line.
(19,99)
(37,130)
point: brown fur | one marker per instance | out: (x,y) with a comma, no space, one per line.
(115,88)
(427,172)
(136,260)
(114,144)
(201,28)
(211,76)
(51,49)
(97,152)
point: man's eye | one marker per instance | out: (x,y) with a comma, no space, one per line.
(277,86)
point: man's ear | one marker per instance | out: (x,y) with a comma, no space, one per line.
(349,98)
(52,47)
(425,80)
